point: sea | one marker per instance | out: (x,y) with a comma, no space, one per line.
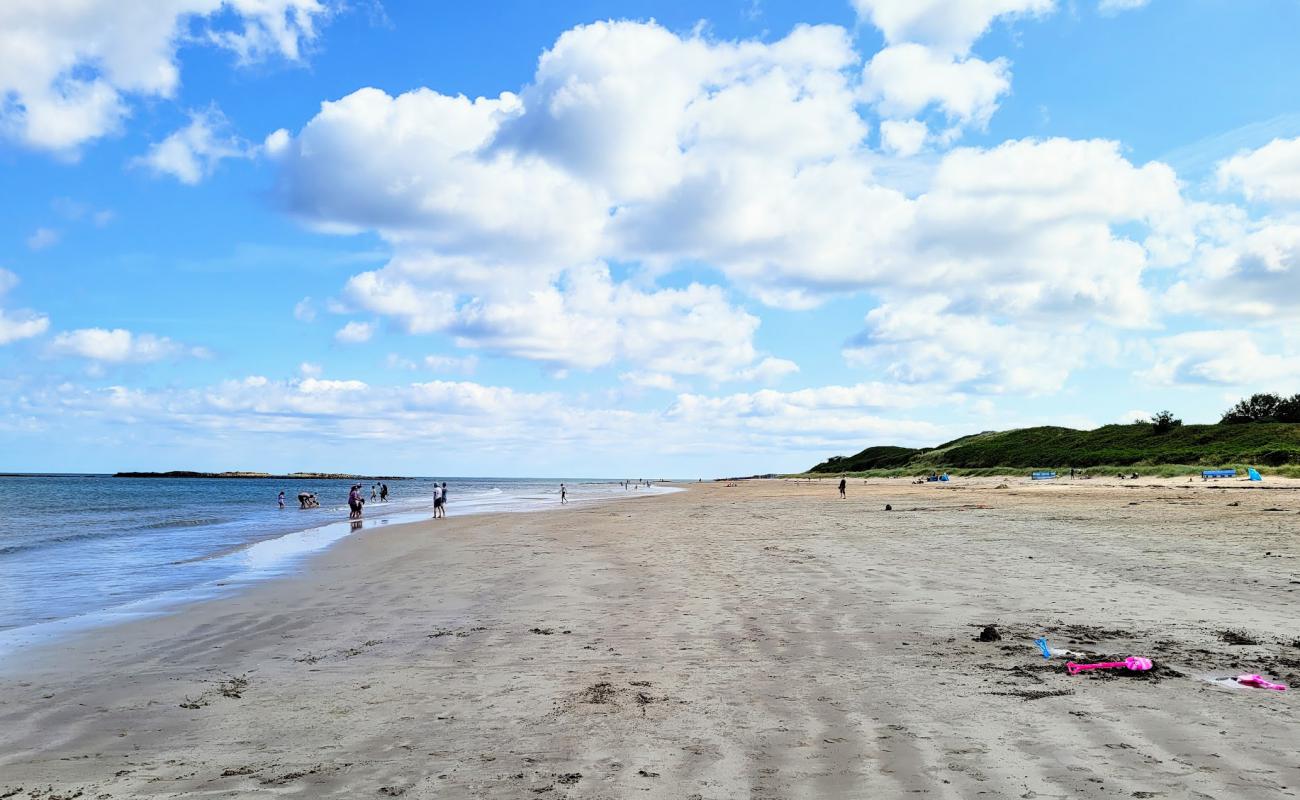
(84,550)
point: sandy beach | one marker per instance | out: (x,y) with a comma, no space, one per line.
(761,641)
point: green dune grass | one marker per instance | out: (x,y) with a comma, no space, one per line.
(1132,448)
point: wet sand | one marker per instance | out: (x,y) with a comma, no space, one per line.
(762,641)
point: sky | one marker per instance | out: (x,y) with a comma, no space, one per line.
(632,239)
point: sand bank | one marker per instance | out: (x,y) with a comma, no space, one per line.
(763,641)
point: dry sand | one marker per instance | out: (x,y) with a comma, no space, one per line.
(763,641)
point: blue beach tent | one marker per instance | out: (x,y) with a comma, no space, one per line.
(1254,474)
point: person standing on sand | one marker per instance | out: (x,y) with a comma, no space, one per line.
(281,498)
(444,498)
(437,501)
(843,485)
(564,495)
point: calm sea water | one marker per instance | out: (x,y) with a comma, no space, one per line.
(74,549)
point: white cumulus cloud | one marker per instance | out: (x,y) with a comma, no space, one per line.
(1270,173)
(903,138)
(1222,358)
(950,25)
(905,79)
(1250,270)
(637,146)
(20,324)
(69,70)
(355,332)
(193,152)
(42,238)
(922,342)
(120,346)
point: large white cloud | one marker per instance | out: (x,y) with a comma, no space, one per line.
(68,68)
(416,168)
(922,342)
(636,146)
(1254,275)
(584,320)
(1224,358)
(1033,228)
(633,108)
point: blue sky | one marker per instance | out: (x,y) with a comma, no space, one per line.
(633,238)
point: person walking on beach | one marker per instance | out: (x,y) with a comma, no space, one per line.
(843,484)
(444,498)
(281,498)
(564,495)
(374,491)
(383,493)
(437,502)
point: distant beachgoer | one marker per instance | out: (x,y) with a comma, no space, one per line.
(281,499)
(843,484)
(564,495)
(374,491)
(383,493)
(437,502)
(444,498)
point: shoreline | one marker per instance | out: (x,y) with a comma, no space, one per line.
(273,557)
(765,640)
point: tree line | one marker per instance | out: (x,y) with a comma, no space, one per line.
(1263,407)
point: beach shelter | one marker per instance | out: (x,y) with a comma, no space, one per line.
(1254,474)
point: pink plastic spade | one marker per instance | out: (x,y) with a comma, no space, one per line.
(1135,663)
(1259,683)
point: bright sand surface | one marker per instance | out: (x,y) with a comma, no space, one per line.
(762,641)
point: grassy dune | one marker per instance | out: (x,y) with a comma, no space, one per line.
(1274,446)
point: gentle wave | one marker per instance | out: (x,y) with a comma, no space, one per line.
(180,523)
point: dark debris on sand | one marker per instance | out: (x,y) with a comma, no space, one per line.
(599,694)
(233,688)
(1237,636)
(1034,694)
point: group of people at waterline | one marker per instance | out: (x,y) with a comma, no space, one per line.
(379,491)
(357,497)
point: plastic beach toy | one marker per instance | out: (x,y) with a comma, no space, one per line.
(1134,663)
(1042,645)
(1259,683)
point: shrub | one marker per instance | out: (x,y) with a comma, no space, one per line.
(1164,422)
